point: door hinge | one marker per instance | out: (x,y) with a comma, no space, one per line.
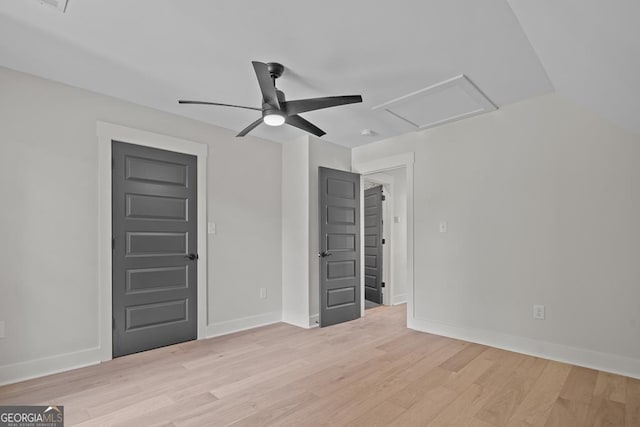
(384,197)
(383,285)
(113,243)
(384,241)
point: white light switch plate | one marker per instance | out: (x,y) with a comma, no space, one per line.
(443,227)
(211,228)
(263,293)
(538,312)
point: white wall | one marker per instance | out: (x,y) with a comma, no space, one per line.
(326,154)
(49,219)
(542,204)
(300,266)
(295,232)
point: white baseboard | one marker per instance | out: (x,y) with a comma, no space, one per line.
(559,352)
(314,321)
(242,324)
(22,371)
(300,322)
(399,299)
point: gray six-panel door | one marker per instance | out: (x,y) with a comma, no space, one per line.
(373,244)
(154,248)
(339,246)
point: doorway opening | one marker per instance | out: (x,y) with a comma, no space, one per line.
(385,237)
(107,133)
(374,245)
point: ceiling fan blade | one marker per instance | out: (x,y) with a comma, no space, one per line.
(182,101)
(249,128)
(303,124)
(267,87)
(303,105)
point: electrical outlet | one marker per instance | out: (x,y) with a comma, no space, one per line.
(3,329)
(538,312)
(443,227)
(263,293)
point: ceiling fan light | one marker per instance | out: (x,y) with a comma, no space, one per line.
(273,119)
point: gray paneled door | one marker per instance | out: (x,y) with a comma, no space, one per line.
(154,248)
(373,244)
(339,246)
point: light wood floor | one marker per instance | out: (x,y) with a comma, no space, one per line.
(369,372)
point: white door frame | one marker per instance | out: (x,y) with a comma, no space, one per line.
(405,160)
(108,132)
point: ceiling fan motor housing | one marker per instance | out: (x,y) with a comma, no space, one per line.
(281,99)
(275,69)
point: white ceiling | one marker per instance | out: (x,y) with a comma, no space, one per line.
(591,52)
(154,52)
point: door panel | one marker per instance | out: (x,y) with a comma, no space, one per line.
(373,244)
(151,279)
(155,229)
(155,171)
(146,243)
(341,296)
(157,314)
(340,244)
(337,215)
(341,269)
(156,207)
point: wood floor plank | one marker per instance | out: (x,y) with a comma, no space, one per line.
(501,371)
(537,404)
(127,412)
(417,389)
(339,402)
(567,413)
(274,413)
(380,416)
(422,412)
(379,391)
(160,416)
(503,404)
(463,358)
(369,372)
(462,410)
(531,367)
(605,412)
(632,402)
(468,375)
(580,385)
(611,386)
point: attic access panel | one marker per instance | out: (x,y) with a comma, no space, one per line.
(61,5)
(444,102)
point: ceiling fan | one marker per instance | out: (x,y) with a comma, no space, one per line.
(276,110)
